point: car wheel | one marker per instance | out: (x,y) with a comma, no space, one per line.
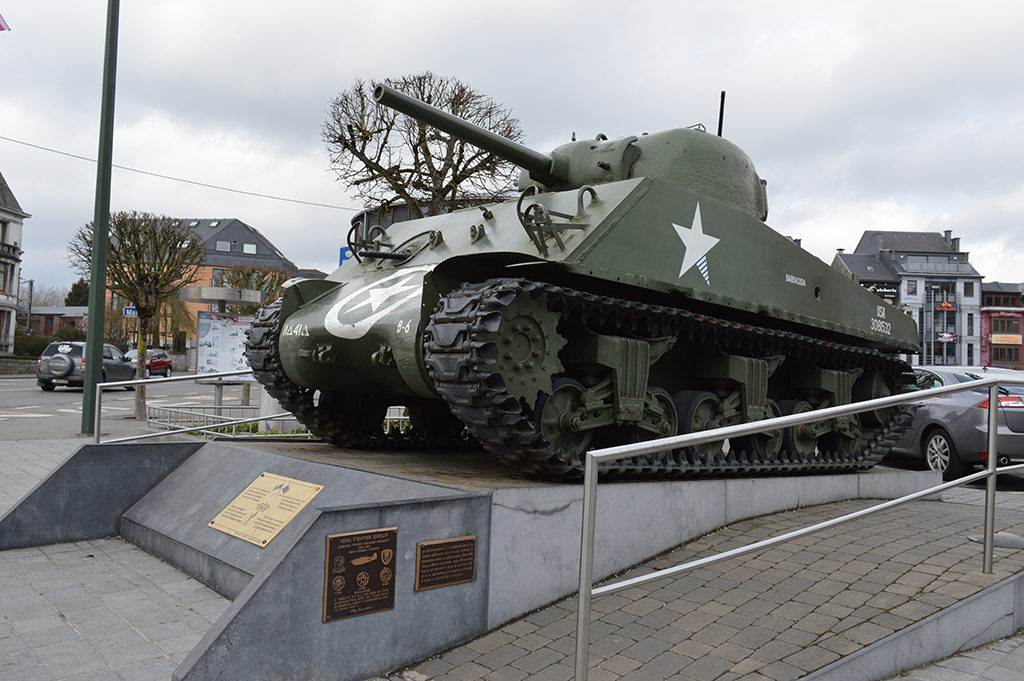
(940,455)
(48,387)
(148,373)
(167,373)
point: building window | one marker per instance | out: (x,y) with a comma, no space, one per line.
(249,249)
(218,277)
(224,246)
(970,324)
(968,289)
(1005,325)
(1006,353)
(970,354)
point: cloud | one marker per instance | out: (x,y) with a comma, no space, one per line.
(861,115)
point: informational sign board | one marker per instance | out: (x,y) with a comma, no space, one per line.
(221,343)
(359,574)
(130,311)
(445,562)
(264,508)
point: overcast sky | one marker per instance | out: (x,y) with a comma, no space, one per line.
(860,115)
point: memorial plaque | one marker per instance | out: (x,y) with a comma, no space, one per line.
(445,562)
(359,574)
(264,508)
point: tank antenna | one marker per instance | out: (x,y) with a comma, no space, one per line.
(721,113)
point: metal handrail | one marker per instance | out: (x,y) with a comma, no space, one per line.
(98,402)
(595,457)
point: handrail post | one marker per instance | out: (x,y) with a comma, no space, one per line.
(96,413)
(586,568)
(990,482)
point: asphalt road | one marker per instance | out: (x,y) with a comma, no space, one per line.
(29,413)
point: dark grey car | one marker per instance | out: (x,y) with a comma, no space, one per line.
(950,433)
(62,363)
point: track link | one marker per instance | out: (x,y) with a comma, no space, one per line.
(463,369)
(263,354)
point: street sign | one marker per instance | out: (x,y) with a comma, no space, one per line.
(130,311)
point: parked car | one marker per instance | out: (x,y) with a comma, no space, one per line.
(63,363)
(157,362)
(950,432)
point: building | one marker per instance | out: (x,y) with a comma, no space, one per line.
(230,242)
(927,275)
(11,220)
(1001,313)
(47,320)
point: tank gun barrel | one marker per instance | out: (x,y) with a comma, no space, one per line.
(539,165)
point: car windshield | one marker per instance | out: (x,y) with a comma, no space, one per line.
(131,354)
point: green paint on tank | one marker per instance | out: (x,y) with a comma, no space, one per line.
(632,290)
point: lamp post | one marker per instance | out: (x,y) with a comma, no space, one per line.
(101,220)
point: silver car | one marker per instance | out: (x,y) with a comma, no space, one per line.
(950,433)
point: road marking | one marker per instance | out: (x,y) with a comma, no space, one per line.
(23,416)
(33,406)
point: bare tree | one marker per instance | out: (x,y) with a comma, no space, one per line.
(268,280)
(149,258)
(44,295)
(387,157)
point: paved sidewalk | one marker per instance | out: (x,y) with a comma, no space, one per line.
(99,610)
(106,611)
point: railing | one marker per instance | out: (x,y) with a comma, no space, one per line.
(598,456)
(174,379)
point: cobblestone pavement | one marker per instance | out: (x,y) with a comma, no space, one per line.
(777,615)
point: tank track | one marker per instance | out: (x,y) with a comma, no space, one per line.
(462,367)
(263,355)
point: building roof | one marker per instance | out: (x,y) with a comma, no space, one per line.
(7,200)
(867,268)
(236,234)
(1000,287)
(61,310)
(873,241)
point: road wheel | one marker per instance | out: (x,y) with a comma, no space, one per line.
(940,455)
(568,445)
(699,410)
(148,372)
(48,387)
(797,441)
(167,373)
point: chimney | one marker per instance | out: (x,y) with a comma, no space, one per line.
(956,244)
(840,250)
(948,234)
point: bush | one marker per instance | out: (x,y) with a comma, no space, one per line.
(30,346)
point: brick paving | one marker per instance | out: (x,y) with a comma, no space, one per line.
(777,615)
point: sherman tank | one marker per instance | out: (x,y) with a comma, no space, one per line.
(631,291)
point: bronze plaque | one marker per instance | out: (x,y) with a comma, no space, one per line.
(445,562)
(359,575)
(264,508)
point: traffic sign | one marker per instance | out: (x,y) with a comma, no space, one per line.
(130,311)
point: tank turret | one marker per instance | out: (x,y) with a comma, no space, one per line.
(688,157)
(632,291)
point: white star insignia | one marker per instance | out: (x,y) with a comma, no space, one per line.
(376,296)
(697,245)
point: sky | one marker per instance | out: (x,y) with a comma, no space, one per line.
(860,115)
